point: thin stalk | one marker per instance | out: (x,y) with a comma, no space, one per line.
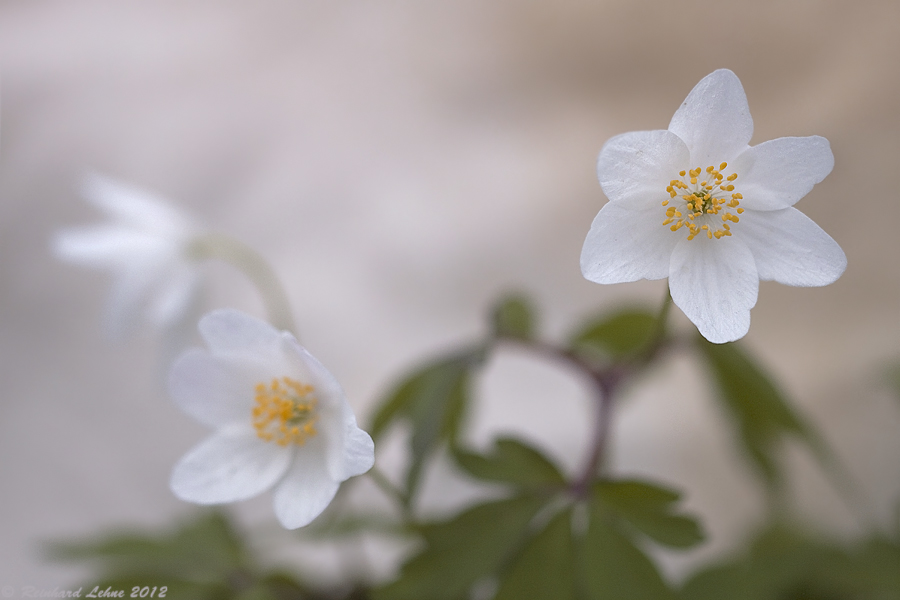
(658,337)
(606,382)
(392,491)
(581,485)
(255,267)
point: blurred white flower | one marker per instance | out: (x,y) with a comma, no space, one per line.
(281,420)
(146,244)
(697,204)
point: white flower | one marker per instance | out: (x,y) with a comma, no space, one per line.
(146,245)
(281,420)
(697,204)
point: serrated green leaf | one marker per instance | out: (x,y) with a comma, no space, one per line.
(545,569)
(433,401)
(462,550)
(762,414)
(619,335)
(649,508)
(435,414)
(613,568)
(427,385)
(512,461)
(513,317)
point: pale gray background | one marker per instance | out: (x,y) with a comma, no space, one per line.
(402,163)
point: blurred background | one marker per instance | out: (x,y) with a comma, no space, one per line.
(402,164)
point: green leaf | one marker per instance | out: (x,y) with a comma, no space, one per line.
(202,550)
(614,568)
(762,414)
(783,562)
(615,336)
(433,400)
(463,550)
(877,567)
(344,526)
(649,509)
(730,581)
(513,317)
(545,569)
(437,379)
(512,461)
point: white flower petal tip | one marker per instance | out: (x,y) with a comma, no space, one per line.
(697,204)
(281,420)
(145,244)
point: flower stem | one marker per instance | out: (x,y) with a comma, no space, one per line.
(605,381)
(255,267)
(605,387)
(386,486)
(657,338)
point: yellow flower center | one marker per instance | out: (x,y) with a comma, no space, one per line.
(285,412)
(707,203)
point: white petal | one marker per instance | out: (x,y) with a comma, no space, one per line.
(714,120)
(349,450)
(790,248)
(714,282)
(777,173)
(231,465)
(228,330)
(137,207)
(177,291)
(308,368)
(626,245)
(210,390)
(635,168)
(108,246)
(357,452)
(129,297)
(238,336)
(307,489)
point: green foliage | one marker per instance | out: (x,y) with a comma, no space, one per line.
(433,401)
(551,538)
(205,558)
(513,317)
(761,412)
(512,461)
(613,567)
(545,568)
(464,549)
(616,336)
(649,509)
(787,564)
(532,556)
(204,549)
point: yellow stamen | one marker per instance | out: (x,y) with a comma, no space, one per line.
(285,412)
(710,197)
